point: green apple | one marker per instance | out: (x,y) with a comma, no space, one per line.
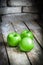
(27,33)
(26,44)
(13,39)
(24,33)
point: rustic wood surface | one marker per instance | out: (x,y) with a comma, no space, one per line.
(15,57)
(16,23)
(19,16)
(3,55)
(35,55)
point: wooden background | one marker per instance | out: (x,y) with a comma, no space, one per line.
(18,15)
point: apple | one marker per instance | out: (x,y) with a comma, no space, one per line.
(26,44)
(13,39)
(30,34)
(27,33)
(24,33)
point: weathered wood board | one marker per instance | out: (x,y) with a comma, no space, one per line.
(37,31)
(19,3)
(20,16)
(10,10)
(3,54)
(16,57)
(30,9)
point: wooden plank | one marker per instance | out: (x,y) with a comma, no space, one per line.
(3,54)
(19,16)
(10,10)
(35,55)
(19,3)
(37,31)
(30,9)
(16,57)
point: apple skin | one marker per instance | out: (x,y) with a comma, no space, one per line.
(13,39)
(24,33)
(27,33)
(26,44)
